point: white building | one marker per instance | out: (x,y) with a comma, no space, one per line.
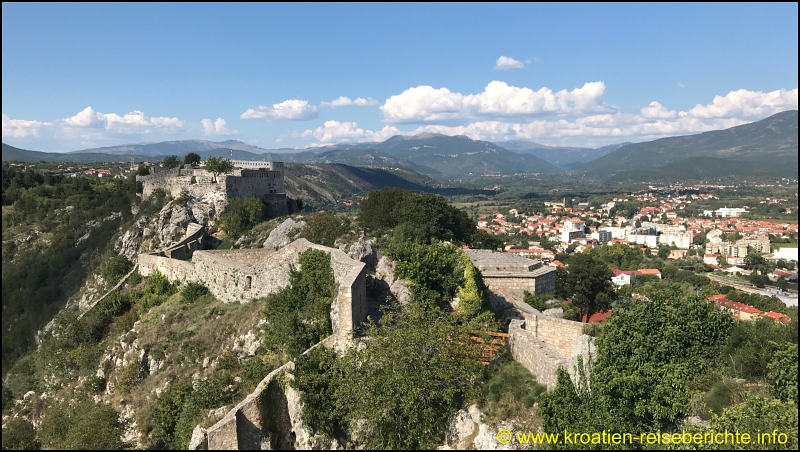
(788,254)
(725,212)
(682,240)
(573,230)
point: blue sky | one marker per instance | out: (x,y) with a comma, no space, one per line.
(84,75)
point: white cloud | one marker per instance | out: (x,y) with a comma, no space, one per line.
(505,63)
(657,111)
(498,100)
(680,85)
(217,127)
(21,128)
(335,132)
(346,101)
(134,122)
(291,110)
(651,122)
(747,104)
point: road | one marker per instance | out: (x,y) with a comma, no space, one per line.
(789,299)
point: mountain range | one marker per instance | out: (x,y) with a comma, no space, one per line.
(767,147)
(560,156)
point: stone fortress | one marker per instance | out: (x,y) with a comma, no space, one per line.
(256,179)
(270,416)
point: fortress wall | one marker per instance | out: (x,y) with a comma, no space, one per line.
(536,355)
(173,269)
(265,419)
(228,277)
(559,333)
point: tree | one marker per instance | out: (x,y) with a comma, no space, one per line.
(142,170)
(218,165)
(782,374)
(757,415)
(171,161)
(325,228)
(648,354)
(242,214)
(191,158)
(380,208)
(589,285)
(402,385)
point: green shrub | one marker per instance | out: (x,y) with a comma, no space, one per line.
(18,434)
(116,268)
(129,377)
(317,379)
(114,305)
(192,291)
(298,316)
(254,370)
(473,297)
(82,425)
(782,373)
(156,291)
(325,228)
(509,390)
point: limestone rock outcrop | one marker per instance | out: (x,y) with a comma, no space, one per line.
(364,252)
(280,236)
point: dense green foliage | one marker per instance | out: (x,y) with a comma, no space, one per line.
(191,158)
(171,161)
(299,315)
(406,380)
(156,291)
(589,285)
(415,216)
(116,268)
(647,355)
(182,406)
(758,414)
(782,373)
(192,291)
(473,295)
(509,390)
(325,228)
(318,376)
(18,434)
(83,425)
(433,268)
(49,222)
(242,214)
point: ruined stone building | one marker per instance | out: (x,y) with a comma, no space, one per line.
(244,275)
(256,179)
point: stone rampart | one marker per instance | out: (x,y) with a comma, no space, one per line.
(268,418)
(244,275)
(539,357)
(193,241)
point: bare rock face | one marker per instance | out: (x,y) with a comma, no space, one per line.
(459,427)
(401,291)
(364,252)
(279,237)
(385,270)
(171,222)
(198,439)
(128,244)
